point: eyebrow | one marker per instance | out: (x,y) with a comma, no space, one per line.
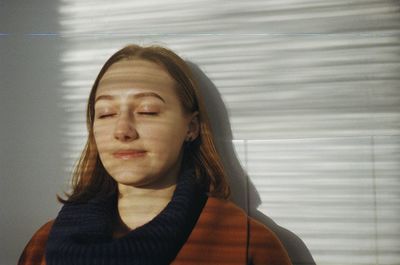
(135,96)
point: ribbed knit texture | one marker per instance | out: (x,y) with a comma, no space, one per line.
(82,232)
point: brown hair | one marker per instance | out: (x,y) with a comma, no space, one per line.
(90,179)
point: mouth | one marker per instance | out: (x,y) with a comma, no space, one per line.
(129,154)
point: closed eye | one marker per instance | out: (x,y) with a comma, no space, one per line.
(148,113)
(106,116)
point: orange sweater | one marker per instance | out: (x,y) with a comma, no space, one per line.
(223,234)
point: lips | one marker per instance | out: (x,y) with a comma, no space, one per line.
(128,154)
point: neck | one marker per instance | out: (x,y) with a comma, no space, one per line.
(137,206)
(82,230)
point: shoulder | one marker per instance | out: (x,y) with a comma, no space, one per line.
(263,246)
(225,214)
(224,205)
(33,253)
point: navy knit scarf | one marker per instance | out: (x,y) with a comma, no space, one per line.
(82,232)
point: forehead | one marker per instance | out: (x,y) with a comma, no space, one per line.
(136,74)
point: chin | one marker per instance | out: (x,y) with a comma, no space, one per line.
(135,181)
(129,180)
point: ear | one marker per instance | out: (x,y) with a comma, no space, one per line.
(194,127)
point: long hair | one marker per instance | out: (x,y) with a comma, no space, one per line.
(90,179)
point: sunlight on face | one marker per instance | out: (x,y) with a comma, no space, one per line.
(139,124)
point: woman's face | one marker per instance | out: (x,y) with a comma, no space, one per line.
(139,125)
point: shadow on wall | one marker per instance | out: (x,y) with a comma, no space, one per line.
(239,180)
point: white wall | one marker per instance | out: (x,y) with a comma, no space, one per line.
(310,87)
(31,149)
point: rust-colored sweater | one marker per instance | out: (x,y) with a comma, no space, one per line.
(223,234)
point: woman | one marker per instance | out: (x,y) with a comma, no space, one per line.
(150,187)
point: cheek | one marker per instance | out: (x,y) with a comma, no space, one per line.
(165,139)
(101,137)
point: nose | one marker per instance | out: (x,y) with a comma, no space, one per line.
(125,130)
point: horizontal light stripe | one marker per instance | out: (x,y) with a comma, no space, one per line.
(312,92)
